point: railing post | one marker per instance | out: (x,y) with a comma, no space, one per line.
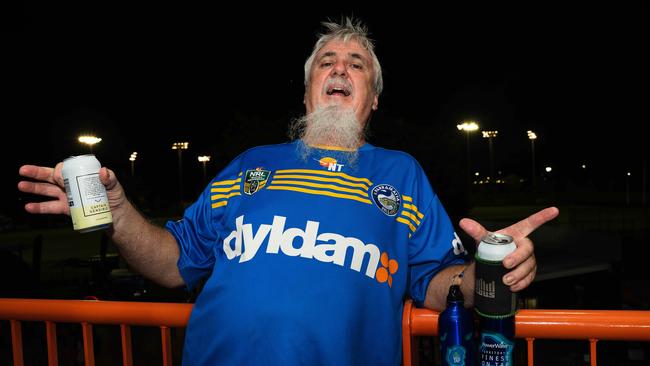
(17,342)
(592,351)
(127,354)
(165,334)
(406,333)
(52,351)
(89,350)
(529,347)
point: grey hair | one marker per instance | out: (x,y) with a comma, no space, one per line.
(347,30)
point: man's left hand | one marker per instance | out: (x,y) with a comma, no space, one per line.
(522,260)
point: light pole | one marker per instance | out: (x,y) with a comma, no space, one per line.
(203,160)
(89,140)
(468,127)
(490,135)
(532,137)
(643,182)
(627,188)
(180,146)
(134,155)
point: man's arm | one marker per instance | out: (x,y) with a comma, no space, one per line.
(521,262)
(149,249)
(438,288)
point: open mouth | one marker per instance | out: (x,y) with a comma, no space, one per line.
(338,90)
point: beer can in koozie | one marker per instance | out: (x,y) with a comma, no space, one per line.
(492,297)
(87,197)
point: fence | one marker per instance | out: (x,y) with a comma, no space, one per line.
(590,325)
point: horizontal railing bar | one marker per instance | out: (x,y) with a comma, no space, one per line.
(96,312)
(624,325)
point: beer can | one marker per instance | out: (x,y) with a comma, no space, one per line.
(493,297)
(494,302)
(87,197)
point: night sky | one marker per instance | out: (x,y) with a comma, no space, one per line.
(142,77)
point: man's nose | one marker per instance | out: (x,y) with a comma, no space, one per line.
(339,69)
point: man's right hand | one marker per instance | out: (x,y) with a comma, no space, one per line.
(48,182)
(149,249)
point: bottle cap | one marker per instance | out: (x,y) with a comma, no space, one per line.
(455,294)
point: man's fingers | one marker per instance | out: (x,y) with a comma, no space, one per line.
(36,172)
(42,173)
(107,178)
(48,207)
(524,251)
(43,189)
(522,275)
(526,226)
(473,228)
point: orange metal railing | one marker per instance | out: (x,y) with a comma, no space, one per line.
(88,313)
(592,325)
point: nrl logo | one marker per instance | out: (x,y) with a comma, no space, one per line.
(255,180)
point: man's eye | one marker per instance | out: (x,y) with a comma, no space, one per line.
(356,66)
(326,64)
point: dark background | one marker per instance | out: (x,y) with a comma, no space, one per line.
(226,77)
(144,76)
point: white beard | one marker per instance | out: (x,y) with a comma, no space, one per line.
(329,126)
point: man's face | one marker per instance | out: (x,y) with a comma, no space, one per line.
(342,74)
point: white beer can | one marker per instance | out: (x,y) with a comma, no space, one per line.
(492,297)
(87,197)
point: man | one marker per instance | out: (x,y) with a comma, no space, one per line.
(310,247)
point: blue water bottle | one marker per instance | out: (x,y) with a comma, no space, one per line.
(456,330)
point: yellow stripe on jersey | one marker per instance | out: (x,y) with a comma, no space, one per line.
(228,188)
(320,179)
(215,197)
(219,204)
(411,216)
(225,189)
(318,192)
(324,172)
(328,147)
(227,182)
(407,222)
(414,209)
(318,185)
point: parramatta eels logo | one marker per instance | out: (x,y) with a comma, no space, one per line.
(255,180)
(387,198)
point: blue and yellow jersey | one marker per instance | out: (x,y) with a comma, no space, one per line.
(309,257)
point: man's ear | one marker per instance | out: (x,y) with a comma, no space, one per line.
(375,103)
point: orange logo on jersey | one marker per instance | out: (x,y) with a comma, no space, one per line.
(330,163)
(387,269)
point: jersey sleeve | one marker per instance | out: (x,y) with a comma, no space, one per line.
(197,232)
(434,244)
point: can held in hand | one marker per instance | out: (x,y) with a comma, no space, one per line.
(492,296)
(87,197)
(494,302)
